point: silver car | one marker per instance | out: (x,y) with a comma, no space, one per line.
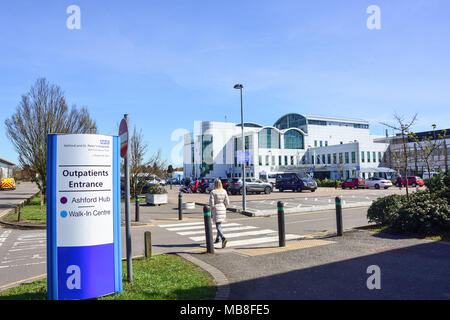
(377,183)
(251,185)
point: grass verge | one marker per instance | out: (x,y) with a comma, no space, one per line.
(30,213)
(163,277)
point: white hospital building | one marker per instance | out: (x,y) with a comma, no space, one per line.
(330,148)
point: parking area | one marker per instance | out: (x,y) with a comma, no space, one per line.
(321,199)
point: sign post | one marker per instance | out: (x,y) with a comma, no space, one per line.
(124,153)
(83,216)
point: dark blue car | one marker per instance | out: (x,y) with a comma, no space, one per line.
(295,181)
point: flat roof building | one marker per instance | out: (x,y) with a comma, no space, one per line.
(327,147)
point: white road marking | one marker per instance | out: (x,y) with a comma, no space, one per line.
(180,224)
(201,226)
(188,233)
(237,235)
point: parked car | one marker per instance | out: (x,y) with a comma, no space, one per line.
(413,181)
(225,185)
(353,183)
(251,185)
(204,184)
(377,183)
(295,182)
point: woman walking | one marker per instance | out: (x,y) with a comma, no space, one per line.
(218,201)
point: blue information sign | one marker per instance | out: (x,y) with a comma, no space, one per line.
(243,156)
(83,216)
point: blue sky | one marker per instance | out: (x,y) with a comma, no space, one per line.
(168,63)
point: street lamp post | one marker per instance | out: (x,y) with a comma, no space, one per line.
(240,86)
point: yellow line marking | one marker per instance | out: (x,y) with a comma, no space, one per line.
(12,284)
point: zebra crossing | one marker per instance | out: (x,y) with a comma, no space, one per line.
(242,235)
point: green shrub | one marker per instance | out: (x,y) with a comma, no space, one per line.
(156,190)
(328,183)
(384,210)
(440,185)
(424,214)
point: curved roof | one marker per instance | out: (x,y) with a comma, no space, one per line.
(250,124)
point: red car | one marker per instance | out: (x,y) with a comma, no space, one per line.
(413,181)
(354,183)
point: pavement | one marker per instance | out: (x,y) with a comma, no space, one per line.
(314,264)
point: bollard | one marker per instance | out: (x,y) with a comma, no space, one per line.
(281,229)
(137,208)
(339,216)
(19,214)
(180,206)
(208,229)
(148,244)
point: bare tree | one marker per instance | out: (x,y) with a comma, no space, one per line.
(41,111)
(404,128)
(428,146)
(141,170)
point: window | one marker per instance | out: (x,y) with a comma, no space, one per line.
(293,140)
(347,160)
(312,159)
(368,156)
(375,157)
(285,160)
(268,138)
(334,158)
(267,160)
(320,142)
(379,157)
(292,160)
(353,157)
(323,159)
(260,160)
(326,143)
(329,158)
(279,161)
(315,143)
(362,156)
(341,158)
(273,160)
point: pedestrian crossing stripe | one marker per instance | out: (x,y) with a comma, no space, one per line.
(181,224)
(189,233)
(236,235)
(200,227)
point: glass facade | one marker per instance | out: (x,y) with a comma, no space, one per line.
(268,138)
(293,140)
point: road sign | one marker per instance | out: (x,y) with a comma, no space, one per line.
(243,156)
(123,136)
(358,168)
(83,216)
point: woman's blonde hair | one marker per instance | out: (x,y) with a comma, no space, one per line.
(218,184)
